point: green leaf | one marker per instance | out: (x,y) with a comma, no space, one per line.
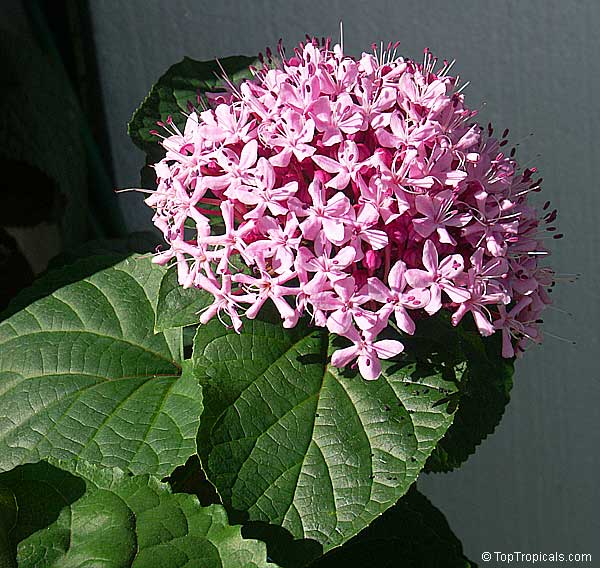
(412,534)
(182,83)
(83,375)
(82,515)
(178,307)
(484,392)
(288,440)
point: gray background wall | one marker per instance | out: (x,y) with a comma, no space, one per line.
(532,486)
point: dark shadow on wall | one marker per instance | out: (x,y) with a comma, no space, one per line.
(57,183)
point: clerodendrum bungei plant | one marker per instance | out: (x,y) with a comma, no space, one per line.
(350,265)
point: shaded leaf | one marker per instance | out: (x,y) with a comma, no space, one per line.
(8,517)
(180,85)
(83,375)
(76,514)
(178,307)
(484,392)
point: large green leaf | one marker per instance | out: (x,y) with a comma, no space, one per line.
(102,517)
(180,85)
(178,307)
(484,391)
(290,441)
(84,375)
(412,534)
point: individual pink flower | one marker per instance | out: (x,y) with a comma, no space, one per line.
(290,137)
(398,298)
(378,194)
(513,327)
(361,229)
(336,118)
(439,212)
(280,243)
(322,215)
(367,352)
(225,302)
(346,167)
(227,124)
(236,169)
(326,266)
(438,277)
(267,287)
(483,291)
(344,302)
(229,242)
(264,195)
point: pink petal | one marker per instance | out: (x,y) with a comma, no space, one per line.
(327,164)
(332,136)
(368,215)
(248,155)
(483,324)
(339,321)
(334,230)
(424,205)
(311,226)
(456,294)
(404,321)
(416,298)
(342,357)
(388,348)
(451,266)
(283,307)
(340,181)
(424,226)
(507,347)
(387,139)
(435,302)
(282,159)
(418,278)
(345,257)
(365,319)
(376,238)
(378,290)
(369,367)
(430,259)
(396,276)
(338,205)
(445,237)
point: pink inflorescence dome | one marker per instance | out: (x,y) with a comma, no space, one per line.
(359,192)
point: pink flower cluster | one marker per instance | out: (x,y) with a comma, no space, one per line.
(358,192)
